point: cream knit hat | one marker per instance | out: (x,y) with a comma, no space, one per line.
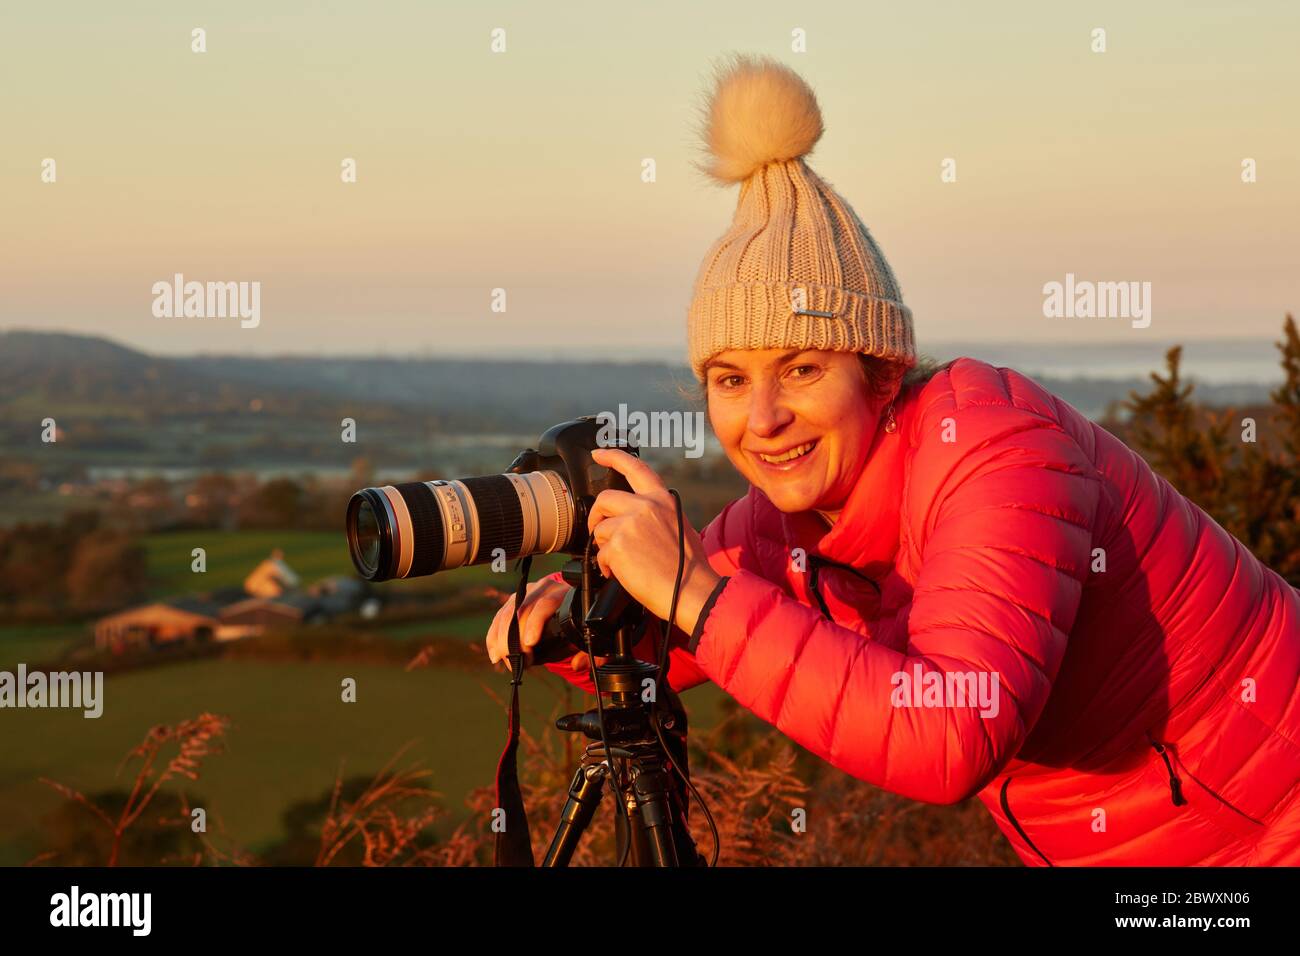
(797,268)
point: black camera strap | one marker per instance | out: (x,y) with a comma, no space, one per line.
(514,846)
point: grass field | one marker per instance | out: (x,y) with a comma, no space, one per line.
(289,733)
(230,555)
(290,730)
(36,643)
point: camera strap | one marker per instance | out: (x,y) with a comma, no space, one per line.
(514,845)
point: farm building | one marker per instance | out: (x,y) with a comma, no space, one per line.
(263,612)
(164,622)
(270,598)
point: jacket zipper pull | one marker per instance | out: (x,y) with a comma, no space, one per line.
(1175,785)
(826,612)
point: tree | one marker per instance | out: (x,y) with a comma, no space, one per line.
(1251,488)
(277,504)
(108,572)
(209,500)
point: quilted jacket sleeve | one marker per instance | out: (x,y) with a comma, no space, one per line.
(1005,545)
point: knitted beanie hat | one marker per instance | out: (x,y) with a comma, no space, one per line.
(797,268)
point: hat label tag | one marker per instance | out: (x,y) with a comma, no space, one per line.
(799,303)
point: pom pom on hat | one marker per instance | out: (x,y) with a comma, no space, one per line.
(760,112)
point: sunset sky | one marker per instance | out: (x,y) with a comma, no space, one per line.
(522,169)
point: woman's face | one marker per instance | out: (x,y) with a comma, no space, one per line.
(768,402)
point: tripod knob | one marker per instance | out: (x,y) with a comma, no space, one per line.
(618,723)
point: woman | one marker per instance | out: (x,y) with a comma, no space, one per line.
(947,584)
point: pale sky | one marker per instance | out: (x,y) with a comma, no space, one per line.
(522,169)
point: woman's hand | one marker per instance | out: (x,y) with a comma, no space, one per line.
(636,533)
(541,600)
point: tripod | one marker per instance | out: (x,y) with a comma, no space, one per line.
(628,751)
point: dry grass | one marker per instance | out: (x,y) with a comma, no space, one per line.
(753,780)
(773,804)
(389,820)
(195,740)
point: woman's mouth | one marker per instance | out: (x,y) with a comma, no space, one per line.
(788,460)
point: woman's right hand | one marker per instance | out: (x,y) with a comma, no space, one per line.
(541,600)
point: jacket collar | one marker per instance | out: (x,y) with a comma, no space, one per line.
(867,532)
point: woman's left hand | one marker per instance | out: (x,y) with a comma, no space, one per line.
(636,533)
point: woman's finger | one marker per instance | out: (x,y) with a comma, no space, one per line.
(608,504)
(642,478)
(501,640)
(541,600)
(605,530)
(490,641)
(497,631)
(581,662)
(539,612)
(528,660)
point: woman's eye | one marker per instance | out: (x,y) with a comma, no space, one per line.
(807,369)
(730,381)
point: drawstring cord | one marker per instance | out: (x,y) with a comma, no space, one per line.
(1006,808)
(818,594)
(816,562)
(1175,785)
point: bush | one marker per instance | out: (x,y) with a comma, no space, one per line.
(1243,471)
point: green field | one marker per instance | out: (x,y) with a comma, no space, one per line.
(230,555)
(290,730)
(38,643)
(471,627)
(289,733)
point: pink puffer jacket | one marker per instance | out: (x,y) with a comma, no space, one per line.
(1013,605)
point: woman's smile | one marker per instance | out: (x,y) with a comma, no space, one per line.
(788,460)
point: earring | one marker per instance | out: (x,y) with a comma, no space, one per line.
(891,423)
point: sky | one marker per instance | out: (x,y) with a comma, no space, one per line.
(521,169)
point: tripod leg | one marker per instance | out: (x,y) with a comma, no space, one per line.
(688,853)
(655,816)
(639,852)
(584,796)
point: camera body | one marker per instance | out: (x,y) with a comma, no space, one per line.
(566,449)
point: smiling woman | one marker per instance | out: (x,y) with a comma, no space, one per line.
(1008,602)
(838,398)
(796,424)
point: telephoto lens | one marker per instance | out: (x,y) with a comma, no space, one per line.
(538,506)
(422,527)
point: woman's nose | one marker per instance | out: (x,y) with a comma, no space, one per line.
(768,414)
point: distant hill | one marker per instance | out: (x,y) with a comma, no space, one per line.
(506,395)
(54,369)
(120,406)
(71,367)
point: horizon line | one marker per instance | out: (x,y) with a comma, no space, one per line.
(624,354)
